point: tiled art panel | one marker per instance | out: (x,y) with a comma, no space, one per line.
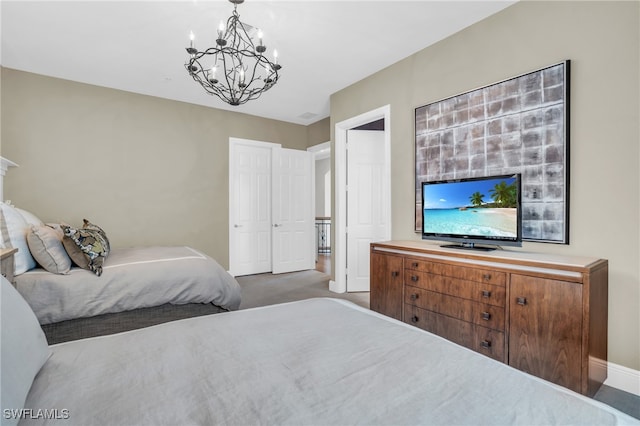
(515,126)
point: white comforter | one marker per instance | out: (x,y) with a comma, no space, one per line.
(132,278)
(314,362)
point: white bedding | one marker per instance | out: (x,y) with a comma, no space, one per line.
(319,361)
(132,278)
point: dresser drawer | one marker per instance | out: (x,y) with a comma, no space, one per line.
(480,339)
(467,310)
(472,290)
(465,273)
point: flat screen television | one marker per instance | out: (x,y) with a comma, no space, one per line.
(473,211)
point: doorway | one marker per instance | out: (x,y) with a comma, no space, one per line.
(345,264)
(323,206)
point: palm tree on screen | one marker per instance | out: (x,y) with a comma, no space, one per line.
(476,199)
(504,195)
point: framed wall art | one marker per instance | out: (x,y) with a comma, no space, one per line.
(519,125)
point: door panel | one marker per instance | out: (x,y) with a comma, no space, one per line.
(545,336)
(367,215)
(386,284)
(249,209)
(293,211)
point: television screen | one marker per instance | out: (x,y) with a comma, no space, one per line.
(476,210)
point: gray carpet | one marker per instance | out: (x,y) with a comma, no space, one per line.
(269,289)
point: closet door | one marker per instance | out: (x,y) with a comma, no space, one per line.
(271,208)
(250,165)
(293,211)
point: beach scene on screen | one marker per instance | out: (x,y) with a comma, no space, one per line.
(484,208)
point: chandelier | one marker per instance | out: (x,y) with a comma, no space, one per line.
(235,69)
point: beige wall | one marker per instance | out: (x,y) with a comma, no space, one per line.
(148,170)
(602,41)
(319,132)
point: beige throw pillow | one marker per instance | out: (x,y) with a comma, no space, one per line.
(45,245)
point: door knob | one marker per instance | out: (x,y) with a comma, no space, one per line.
(277,225)
(237,226)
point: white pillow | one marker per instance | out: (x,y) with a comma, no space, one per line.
(13,234)
(24,349)
(29,217)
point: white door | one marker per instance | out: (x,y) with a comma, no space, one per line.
(293,211)
(249,208)
(367,215)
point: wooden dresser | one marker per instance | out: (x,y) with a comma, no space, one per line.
(543,314)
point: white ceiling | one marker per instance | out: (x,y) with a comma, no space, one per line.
(139,46)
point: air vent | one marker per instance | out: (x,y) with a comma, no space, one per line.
(307,115)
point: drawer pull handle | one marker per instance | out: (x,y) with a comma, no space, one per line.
(521,301)
(414,278)
(485,344)
(394,274)
(414,319)
(486,277)
(486,316)
(486,294)
(414,265)
(414,296)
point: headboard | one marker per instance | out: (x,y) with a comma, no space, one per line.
(4,165)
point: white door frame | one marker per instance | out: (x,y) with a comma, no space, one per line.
(340,217)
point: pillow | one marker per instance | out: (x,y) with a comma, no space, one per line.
(24,349)
(29,217)
(45,244)
(77,256)
(13,234)
(93,242)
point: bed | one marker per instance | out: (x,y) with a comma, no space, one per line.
(136,287)
(139,287)
(316,361)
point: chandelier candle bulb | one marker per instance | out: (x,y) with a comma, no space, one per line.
(260,48)
(212,75)
(191,50)
(276,66)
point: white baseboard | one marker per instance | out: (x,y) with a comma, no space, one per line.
(623,378)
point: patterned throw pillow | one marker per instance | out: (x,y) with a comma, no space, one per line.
(77,256)
(92,241)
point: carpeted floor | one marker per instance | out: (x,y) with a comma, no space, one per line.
(269,289)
